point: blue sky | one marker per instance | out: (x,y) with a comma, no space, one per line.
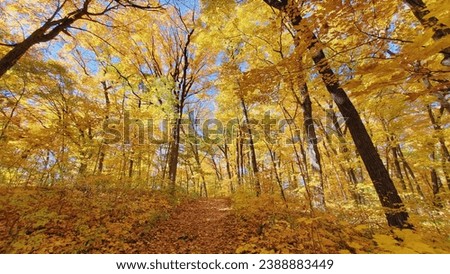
(185,5)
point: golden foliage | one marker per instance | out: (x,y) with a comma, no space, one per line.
(88,218)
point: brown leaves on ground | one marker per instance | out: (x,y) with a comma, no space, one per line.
(92,220)
(202,226)
(292,229)
(77,220)
(126,220)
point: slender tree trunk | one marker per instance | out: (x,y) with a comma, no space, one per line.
(228,166)
(102,155)
(130,168)
(195,151)
(397,168)
(434,177)
(101,160)
(299,160)
(311,140)
(395,212)
(174,152)
(392,148)
(275,171)
(239,156)
(408,170)
(166,159)
(445,160)
(253,162)
(435,182)
(217,170)
(139,165)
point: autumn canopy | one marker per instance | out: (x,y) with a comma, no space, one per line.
(263,117)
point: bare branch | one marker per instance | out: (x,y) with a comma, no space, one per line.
(132,4)
(9,45)
(97,36)
(381,37)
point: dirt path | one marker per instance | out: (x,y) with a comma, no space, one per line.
(202,226)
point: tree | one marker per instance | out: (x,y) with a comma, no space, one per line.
(395,213)
(61,20)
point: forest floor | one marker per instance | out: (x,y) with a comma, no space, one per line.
(264,225)
(199,226)
(95,220)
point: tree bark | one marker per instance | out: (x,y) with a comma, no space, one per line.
(445,158)
(275,171)
(335,128)
(387,193)
(173,154)
(54,26)
(253,162)
(397,168)
(299,160)
(45,33)
(311,141)
(224,150)
(101,158)
(408,170)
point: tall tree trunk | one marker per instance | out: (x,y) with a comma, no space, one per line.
(102,155)
(195,151)
(395,212)
(397,168)
(392,148)
(130,168)
(311,139)
(435,182)
(387,193)
(445,160)
(275,171)
(408,170)
(239,156)
(101,160)
(139,165)
(253,162)
(227,163)
(166,153)
(333,127)
(174,152)
(299,160)
(217,169)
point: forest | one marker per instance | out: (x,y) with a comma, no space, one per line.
(217,126)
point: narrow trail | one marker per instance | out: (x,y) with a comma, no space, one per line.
(203,227)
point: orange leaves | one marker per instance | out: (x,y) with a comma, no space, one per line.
(288,230)
(268,227)
(202,226)
(77,220)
